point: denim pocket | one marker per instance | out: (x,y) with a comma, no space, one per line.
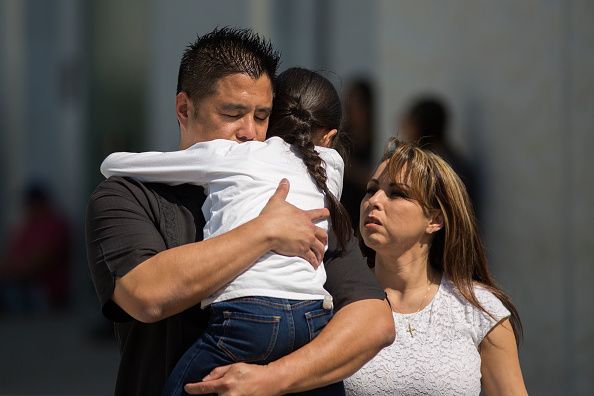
(316,320)
(248,337)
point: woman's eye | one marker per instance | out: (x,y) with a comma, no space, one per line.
(397,194)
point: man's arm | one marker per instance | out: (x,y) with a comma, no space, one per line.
(355,334)
(358,331)
(170,281)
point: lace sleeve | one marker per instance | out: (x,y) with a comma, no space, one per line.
(483,321)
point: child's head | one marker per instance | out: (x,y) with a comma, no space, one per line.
(306,106)
(306,112)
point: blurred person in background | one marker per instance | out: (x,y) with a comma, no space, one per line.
(151,267)
(426,122)
(34,270)
(457,331)
(359,125)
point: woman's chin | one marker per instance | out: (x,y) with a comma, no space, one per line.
(373,240)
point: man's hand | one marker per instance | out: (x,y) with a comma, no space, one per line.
(238,379)
(292,230)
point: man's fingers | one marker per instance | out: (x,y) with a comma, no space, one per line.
(217,373)
(282,190)
(321,235)
(311,257)
(318,214)
(204,388)
(318,249)
(209,384)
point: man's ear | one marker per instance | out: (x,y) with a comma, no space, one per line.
(183,109)
(436,221)
(328,137)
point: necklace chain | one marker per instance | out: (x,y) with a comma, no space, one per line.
(410,329)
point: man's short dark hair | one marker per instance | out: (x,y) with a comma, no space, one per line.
(220,53)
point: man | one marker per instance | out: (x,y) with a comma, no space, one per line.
(151,268)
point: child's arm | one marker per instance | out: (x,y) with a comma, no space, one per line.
(175,167)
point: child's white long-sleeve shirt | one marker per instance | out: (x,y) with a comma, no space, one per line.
(239,178)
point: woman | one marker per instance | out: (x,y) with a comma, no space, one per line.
(456,330)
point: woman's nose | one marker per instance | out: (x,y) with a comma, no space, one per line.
(376,199)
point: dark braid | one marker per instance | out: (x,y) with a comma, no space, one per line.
(306,103)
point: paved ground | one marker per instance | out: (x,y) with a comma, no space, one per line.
(55,355)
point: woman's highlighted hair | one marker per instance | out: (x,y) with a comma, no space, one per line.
(456,250)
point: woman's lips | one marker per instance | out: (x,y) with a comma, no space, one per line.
(372,221)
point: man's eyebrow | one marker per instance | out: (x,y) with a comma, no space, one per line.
(233,106)
(243,108)
(266,109)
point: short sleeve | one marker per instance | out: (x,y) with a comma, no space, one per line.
(334,170)
(121,233)
(349,279)
(483,321)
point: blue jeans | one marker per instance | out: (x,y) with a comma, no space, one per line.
(254,330)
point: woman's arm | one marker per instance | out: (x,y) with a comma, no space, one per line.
(500,365)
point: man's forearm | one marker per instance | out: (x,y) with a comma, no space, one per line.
(179,278)
(354,335)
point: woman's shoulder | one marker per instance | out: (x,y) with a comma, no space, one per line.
(485,297)
(483,318)
(489,300)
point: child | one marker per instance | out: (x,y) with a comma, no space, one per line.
(279,304)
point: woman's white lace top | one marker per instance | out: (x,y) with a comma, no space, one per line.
(441,357)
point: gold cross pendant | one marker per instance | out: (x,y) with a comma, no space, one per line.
(410,330)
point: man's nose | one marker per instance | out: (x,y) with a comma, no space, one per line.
(248,130)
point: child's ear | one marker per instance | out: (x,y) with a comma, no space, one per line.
(436,221)
(328,137)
